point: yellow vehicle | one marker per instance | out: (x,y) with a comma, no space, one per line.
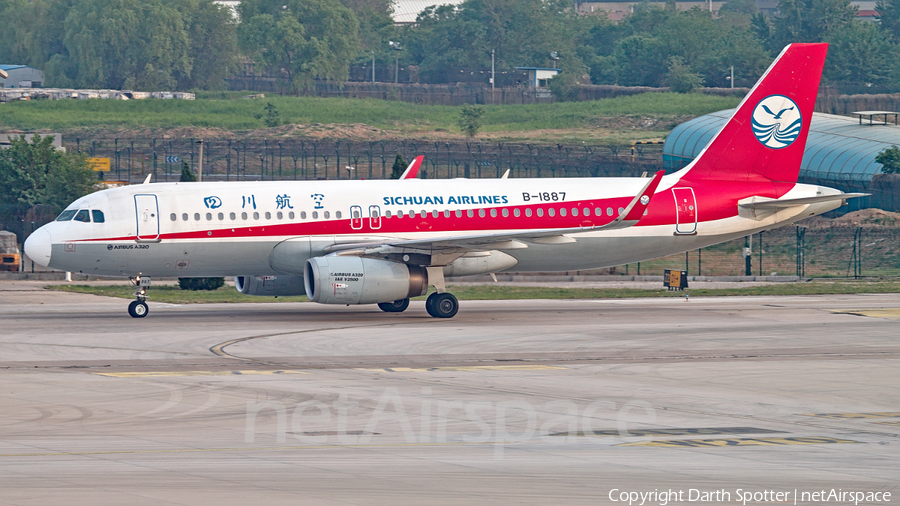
(9,262)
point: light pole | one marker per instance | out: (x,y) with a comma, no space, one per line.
(200,170)
(492,75)
(396,47)
(373,67)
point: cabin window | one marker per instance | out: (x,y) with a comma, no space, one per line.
(598,211)
(609,211)
(586,212)
(208,216)
(66,215)
(278,215)
(505,213)
(412,214)
(356,214)
(291,215)
(233,216)
(244,216)
(527,212)
(551,212)
(459,213)
(173,217)
(470,213)
(387,214)
(493,213)
(302,215)
(83,216)
(621,210)
(221,216)
(562,211)
(256,216)
(434,214)
(196,216)
(326,215)
(315,215)
(481,213)
(446,213)
(337,214)
(98,216)
(268,215)
(540,212)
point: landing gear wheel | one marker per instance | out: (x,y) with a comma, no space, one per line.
(442,305)
(429,303)
(138,309)
(398,306)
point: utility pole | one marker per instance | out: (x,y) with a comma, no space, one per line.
(492,75)
(200,169)
(373,67)
(732,77)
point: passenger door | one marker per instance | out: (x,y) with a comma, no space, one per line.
(147,215)
(685,211)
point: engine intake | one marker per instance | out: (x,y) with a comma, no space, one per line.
(357,280)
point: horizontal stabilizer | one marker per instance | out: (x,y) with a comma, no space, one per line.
(786,203)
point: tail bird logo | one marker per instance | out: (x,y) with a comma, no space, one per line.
(776,121)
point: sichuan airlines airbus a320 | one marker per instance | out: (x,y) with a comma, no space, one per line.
(382,242)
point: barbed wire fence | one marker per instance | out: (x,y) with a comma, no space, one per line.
(319,159)
(820,251)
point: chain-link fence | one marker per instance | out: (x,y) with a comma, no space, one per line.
(813,251)
(270,159)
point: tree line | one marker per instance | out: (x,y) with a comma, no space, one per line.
(197,44)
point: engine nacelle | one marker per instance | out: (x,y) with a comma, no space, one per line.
(270,285)
(357,280)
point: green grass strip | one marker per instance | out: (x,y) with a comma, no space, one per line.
(238,114)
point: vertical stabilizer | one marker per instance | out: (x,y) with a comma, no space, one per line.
(766,136)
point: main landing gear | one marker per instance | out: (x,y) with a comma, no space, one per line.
(138,308)
(398,306)
(439,305)
(442,305)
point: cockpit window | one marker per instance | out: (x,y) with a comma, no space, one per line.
(83,216)
(66,215)
(98,216)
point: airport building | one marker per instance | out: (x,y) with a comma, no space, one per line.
(22,76)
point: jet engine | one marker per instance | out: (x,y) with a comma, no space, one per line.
(357,280)
(270,285)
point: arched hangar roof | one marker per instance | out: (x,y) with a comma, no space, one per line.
(838,148)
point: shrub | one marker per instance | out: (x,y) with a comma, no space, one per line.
(200,283)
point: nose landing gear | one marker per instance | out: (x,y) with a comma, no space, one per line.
(138,308)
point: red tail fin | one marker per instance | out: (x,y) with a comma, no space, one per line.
(765,137)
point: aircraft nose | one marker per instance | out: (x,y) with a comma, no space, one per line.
(38,246)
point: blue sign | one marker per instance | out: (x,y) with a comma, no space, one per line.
(171,159)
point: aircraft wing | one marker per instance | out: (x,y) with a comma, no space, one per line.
(506,240)
(412,171)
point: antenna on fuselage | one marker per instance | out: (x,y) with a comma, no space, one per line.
(147,179)
(505,174)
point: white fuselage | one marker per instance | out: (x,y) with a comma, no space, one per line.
(223,229)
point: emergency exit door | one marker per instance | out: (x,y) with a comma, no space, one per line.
(685,211)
